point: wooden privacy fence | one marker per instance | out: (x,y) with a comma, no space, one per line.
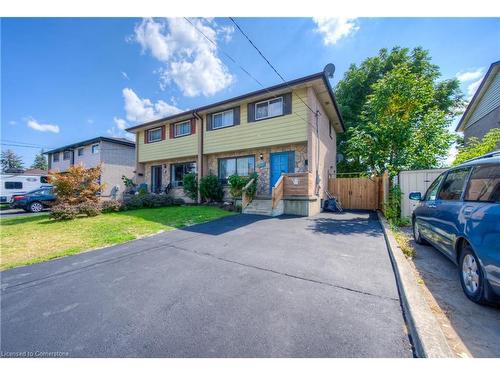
(367,193)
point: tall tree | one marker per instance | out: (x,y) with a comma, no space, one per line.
(396,112)
(40,161)
(10,160)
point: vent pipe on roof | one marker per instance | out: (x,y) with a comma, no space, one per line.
(329,70)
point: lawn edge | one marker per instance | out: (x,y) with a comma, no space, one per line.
(428,339)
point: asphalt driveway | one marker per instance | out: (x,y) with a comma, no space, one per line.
(241,286)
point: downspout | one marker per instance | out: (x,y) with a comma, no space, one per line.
(318,178)
(200,156)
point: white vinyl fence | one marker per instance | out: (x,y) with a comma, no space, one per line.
(411,181)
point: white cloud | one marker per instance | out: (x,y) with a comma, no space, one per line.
(333,29)
(144,110)
(125,75)
(90,121)
(470,75)
(476,76)
(190,60)
(12,122)
(120,123)
(34,124)
(226,32)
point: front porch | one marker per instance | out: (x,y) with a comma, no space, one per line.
(292,194)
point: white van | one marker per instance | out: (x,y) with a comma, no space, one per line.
(14,184)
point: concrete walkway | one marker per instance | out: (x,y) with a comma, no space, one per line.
(241,286)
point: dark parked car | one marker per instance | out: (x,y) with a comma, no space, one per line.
(35,200)
(460,216)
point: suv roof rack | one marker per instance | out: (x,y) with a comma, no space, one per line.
(488,155)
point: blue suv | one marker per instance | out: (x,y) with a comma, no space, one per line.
(460,216)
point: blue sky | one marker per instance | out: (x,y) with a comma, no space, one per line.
(69,79)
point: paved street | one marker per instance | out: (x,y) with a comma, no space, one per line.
(241,286)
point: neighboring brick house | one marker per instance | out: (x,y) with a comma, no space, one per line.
(270,131)
(117,156)
(483,112)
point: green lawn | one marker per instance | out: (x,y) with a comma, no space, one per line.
(33,239)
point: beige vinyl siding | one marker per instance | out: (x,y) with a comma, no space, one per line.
(488,102)
(275,131)
(168,148)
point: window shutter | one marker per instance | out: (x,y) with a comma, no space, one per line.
(209,122)
(287,103)
(172,130)
(236,115)
(145,136)
(251,112)
(193,126)
(163,133)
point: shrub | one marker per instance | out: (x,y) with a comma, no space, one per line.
(236,185)
(63,211)
(190,185)
(89,208)
(179,202)
(111,206)
(148,201)
(211,189)
(392,208)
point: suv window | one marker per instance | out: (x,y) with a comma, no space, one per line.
(432,191)
(484,184)
(453,185)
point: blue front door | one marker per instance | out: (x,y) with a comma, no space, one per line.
(281,162)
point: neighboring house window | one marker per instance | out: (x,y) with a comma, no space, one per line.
(269,108)
(80,151)
(154,135)
(241,166)
(179,170)
(182,128)
(55,157)
(13,185)
(95,149)
(66,155)
(223,119)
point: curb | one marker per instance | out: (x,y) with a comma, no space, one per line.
(428,338)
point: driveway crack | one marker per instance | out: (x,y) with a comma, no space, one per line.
(286,274)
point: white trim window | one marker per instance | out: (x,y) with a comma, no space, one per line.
(95,148)
(269,108)
(223,119)
(154,135)
(182,129)
(66,155)
(55,157)
(80,151)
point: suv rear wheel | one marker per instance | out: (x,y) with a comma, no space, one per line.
(35,207)
(471,275)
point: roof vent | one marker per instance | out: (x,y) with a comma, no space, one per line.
(329,70)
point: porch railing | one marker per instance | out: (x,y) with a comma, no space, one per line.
(298,184)
(246,198)
(277,192)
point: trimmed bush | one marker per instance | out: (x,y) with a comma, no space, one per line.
(89,208)
(211,189)
(63,211)
(190,185)
(111,206)
(148,201)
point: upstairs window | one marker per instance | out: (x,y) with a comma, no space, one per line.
(66,155)
(95,149)
(223,119)
(80,151)
(154,135)
(269,108)
(55,157)
(182,129)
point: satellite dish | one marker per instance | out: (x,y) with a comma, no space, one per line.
(329,70)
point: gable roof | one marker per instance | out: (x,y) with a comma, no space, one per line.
(483,87)
(321,75)
(116,140)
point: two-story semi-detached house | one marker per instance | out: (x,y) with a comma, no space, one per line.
(287,128)
(483,112)
(116,156)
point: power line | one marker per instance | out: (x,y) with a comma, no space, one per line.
(267,61)
(243,69)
